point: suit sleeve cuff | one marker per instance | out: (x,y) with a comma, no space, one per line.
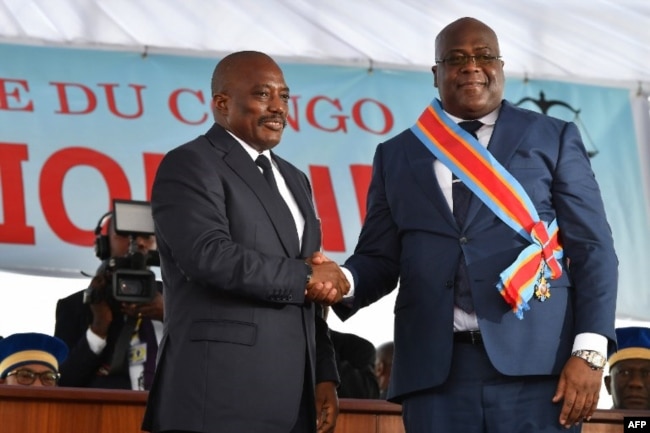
(590,341)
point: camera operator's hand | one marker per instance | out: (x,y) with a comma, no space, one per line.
(153,310)
(102,314)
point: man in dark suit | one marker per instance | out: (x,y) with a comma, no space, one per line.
(245,347)
(481,346)
(93,326)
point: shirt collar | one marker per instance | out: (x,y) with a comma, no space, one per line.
(489,119)
(250,150)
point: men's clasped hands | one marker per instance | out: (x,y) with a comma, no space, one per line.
(327,284)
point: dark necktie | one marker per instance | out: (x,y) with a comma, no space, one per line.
(461,196)
(263,162)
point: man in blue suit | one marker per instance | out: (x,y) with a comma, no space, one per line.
(502,321)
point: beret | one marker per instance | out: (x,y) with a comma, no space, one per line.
(633,343)
(31,348)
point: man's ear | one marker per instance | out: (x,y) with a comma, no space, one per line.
(220,103)
(608,384)
(434,69)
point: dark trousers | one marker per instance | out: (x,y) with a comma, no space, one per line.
(306,422)
(476,398)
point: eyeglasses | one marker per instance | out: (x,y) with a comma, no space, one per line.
(462,59)
(25,376)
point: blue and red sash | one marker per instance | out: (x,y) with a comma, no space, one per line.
(503,195)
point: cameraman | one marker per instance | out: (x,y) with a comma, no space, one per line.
(107,341)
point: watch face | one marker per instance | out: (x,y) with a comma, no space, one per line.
(598,360)
(593,358)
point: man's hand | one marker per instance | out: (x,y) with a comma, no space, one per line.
(579,387)
(327,407)
(318,258)
(102,313)
(153,310)
(328,284)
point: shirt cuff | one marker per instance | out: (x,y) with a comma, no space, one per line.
(590,341)
(348,276)
(95,342)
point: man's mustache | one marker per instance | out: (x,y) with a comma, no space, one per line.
(273,118)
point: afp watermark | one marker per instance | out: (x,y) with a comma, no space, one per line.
(636,424)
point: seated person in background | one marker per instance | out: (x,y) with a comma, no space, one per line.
(31,359)
(355,361)
(629,369)
(112,344)
(383,367)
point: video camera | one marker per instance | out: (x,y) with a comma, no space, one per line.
(131,279)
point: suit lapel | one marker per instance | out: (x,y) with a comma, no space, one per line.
(421,161)
(508,133)
(301,193)
(242,164)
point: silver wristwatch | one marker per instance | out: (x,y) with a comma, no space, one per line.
(595,359)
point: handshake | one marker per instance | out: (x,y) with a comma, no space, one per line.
(327,284)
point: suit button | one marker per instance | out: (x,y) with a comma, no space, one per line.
(463,240)
(449,284)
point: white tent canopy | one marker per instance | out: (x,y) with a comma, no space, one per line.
(600,41)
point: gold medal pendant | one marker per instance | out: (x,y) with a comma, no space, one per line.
(542,289)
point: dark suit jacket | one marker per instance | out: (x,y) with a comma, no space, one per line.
(81,366)
(410,234)
(238,332)
(355,361)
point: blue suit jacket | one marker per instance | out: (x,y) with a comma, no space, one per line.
(238,332)
(410,234)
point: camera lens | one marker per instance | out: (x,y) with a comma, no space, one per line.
(130,287)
